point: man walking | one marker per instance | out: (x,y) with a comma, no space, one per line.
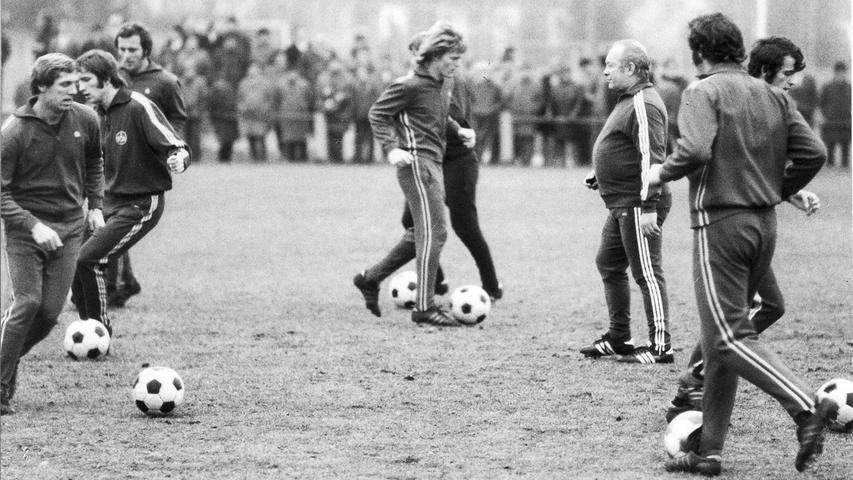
(744,147)
(409,120)
(51,164)
(632,140)
(141,151)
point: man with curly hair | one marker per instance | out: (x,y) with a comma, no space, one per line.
(744,148)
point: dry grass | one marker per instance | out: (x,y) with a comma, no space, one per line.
(247,294)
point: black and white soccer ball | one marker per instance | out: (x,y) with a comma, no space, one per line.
(683,434)
(86,339)
(840,391)
(158,390)
(404,289)
(470,304)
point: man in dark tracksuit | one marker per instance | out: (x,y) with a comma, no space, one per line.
(631,141)
(409,120)
(744,147)
(134,45)
(460,172)
(51,164)
(141,151)
(777,61)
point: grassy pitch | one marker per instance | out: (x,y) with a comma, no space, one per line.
(247,294)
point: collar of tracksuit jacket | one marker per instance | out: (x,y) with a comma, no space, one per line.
(631,91)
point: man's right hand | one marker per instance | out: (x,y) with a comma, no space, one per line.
(46,237)
(399,157)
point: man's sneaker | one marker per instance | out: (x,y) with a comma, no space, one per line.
(495,294)
(442,288)
(648,355)
(688,397)
(434,316)
(694,463)
(810,433)
(370,291)
(604,347)
(119,297)
(5,404)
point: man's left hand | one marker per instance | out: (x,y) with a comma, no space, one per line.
(649,225)
(177,160)
(469,138)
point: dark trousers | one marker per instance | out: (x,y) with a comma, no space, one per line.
(487,128)
(39,283)
(363,142)
(623,245)
(128,220)
(731,257)
(192,130)
(257,147)
(837,135)
(460,180)
(336,145)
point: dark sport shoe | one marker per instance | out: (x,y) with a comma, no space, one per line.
(434,316)
(496,293)
(370,291)
(687,397)
(810,433)
(648,356)
(605,347)
(5,404)
(119,298)
(694,463)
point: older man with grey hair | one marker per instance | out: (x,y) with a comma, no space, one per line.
(632,139)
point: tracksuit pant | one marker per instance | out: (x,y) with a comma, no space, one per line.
(460,183)
(39,283)
(730,258)
(623,245)
(128,220)
(423,186)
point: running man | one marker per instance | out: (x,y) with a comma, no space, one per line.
(141,151)
(51,164)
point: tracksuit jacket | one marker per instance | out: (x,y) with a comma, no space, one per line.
(421,104)
(164,89)
(633,138)
(745,173)
(36,154)
(137,140)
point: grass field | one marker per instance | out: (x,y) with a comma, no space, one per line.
(247,294)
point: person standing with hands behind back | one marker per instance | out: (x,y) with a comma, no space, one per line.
(51,163)
(141,151)
(409,120)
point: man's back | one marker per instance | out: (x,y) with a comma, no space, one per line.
(737,135)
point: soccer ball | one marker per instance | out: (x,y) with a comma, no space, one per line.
(158,390)
(470,304)
(841,392)
(683,433)
(86,339)
(404,289)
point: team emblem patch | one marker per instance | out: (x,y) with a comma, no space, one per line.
(147,91)
(76,134)
(121,137)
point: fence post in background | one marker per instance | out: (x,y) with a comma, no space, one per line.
(507,139)
(321,138)
(538,158)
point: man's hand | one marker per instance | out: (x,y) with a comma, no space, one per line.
(95,219)
(805,201)
(46,237)
(653,176)
(177,160)
(649,225)
(590,181)
(399,157)
(468,136)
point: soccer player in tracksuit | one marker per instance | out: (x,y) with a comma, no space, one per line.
(51,151)
(460,169)
(409,121)
(133,44)
(141,151)
(744,147)
(631,141)
(777,60)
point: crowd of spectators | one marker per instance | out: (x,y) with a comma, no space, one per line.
(239,83)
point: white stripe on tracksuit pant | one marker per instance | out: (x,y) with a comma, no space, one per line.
(423,186)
